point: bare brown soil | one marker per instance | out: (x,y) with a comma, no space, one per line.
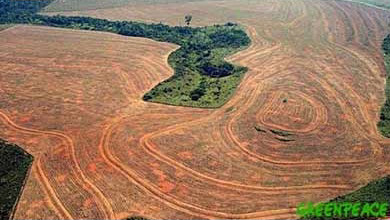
(74,99)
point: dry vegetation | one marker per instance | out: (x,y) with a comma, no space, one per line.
(301,126)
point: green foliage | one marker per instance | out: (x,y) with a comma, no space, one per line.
(284,139)
(280,132)
(14,165)
(202,77)
(20,11)
(188,19)
(384,122)
(386,45)
(259,129)
(376,191)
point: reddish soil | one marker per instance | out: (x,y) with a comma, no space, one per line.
(73,99)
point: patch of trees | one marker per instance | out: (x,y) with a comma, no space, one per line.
(19,7)
(212,70)
(384,122)
(200,58)
(14,165)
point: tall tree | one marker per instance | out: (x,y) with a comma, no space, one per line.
(188,19)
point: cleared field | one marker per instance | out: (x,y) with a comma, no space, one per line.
(72,5)
(76,5)
(301,126)
(385,4)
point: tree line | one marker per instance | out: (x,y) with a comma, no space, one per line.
(384,120)
(198,61)
(14,166)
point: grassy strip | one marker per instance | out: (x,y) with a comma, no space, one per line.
(284,139)
(280,132)
(260,129)
(202,77)
(375,191)
(14,165)
(384,122)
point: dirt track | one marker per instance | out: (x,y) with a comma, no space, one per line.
(73,98)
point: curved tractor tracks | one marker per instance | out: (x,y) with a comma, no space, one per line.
(277,66)
(151,149)
(171,201)
(105,205)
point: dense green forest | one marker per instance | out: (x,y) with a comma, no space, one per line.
(375,191)
(202,77)
(384,122)
(14,165)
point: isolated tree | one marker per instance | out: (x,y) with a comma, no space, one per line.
(188,19)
